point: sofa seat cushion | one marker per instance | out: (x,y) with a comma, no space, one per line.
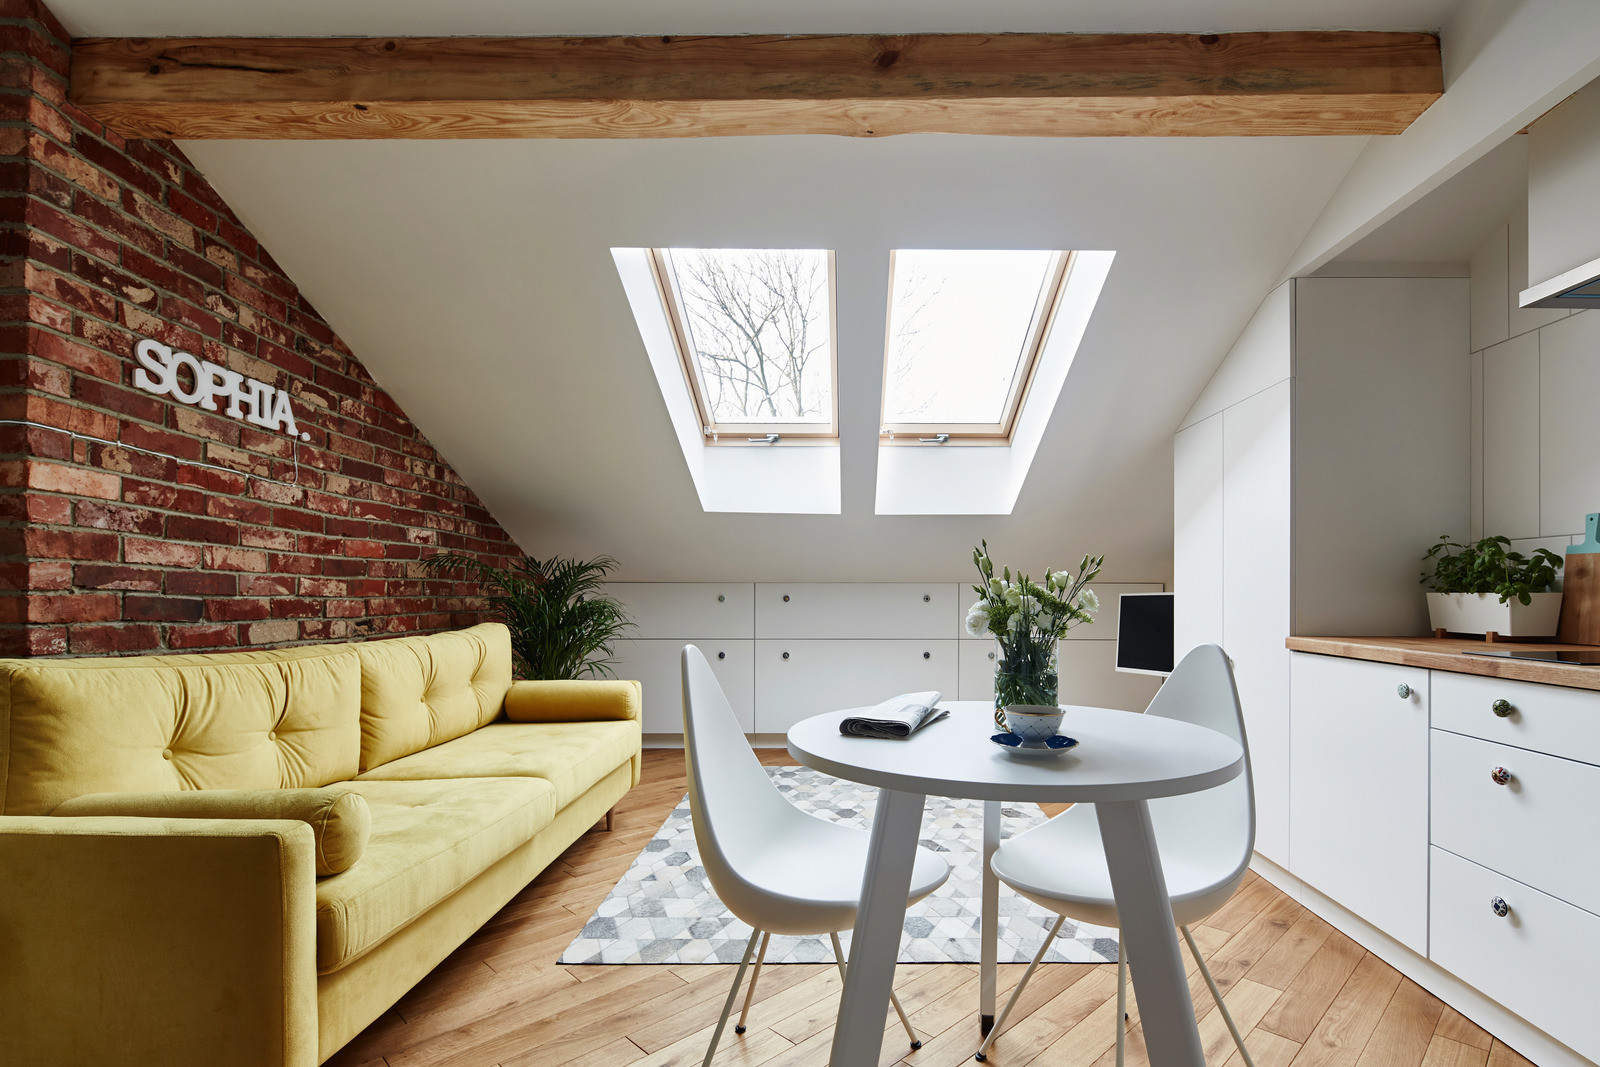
(571,756)
(429,838)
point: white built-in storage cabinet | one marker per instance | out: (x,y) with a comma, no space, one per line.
(787,650)
(1457,814)
(1328,450)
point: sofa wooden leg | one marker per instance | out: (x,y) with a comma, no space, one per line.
(610,819)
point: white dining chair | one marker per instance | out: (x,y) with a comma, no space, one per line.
(1204,840)
(778,869)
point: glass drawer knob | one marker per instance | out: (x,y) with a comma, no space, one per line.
(1502,708)
(927,655)
(786,655)
(1500,775)
(786,598)
(722,655)
(1403,691)
(991,655)
(722,598)
(1501,908)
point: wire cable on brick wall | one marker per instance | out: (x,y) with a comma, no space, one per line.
(294,450)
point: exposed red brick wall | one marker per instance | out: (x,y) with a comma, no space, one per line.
(130,522)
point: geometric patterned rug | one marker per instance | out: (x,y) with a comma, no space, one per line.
(663,910)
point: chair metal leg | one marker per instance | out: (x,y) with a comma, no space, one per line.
(894,1001)
(1216,995)
(983,1050)
(1122,1000)
(733,995)
(755,976)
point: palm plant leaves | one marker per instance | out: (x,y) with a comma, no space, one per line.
(562,623)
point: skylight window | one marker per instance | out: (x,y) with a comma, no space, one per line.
(754,329)
(964,335)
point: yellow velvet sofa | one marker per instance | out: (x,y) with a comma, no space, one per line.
(187,941)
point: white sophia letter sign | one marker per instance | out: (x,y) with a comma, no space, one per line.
(255,402)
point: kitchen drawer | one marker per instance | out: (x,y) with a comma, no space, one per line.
(685,609)
(818,676)
(1546,718)
(1539,828)
(657,665)
(858,610)
(1106,620)
(1358,789)
(1088,672)
(1538,959)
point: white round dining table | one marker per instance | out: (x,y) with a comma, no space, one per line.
(1122,760)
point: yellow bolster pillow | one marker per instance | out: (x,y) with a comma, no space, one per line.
(339,818)
(581,700)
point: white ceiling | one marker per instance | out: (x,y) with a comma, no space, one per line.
(305,18)
(474,278)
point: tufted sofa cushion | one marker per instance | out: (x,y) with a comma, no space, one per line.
(417,692)
(282,719)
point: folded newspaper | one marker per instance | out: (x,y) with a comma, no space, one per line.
(896,718)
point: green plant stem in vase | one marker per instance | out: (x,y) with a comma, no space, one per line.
(1029,619)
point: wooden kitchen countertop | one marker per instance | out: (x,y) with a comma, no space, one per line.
(1445,654)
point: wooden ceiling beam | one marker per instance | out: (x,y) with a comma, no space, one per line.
(1042,85)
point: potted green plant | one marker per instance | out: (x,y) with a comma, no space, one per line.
(1485,588)
(562,623)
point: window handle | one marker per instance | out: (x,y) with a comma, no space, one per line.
(769,439)
(936,439)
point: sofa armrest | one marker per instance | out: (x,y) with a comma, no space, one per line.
(172,941)
(584,700)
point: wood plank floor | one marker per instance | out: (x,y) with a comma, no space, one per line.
(1303,994)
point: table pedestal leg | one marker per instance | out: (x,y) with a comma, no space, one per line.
(989,928)
(858,1037)
(1145,914)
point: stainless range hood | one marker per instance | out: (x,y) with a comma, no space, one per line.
(1577,288)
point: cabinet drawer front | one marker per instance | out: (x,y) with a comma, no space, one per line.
(680,610)
(1358,789)
(857,610)
(820,676)
(657,665)
(1539,827)
(1538,960)
(1546,718)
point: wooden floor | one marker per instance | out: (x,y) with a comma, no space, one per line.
(1303,993)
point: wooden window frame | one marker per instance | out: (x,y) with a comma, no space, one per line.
(989,433)
(744,433)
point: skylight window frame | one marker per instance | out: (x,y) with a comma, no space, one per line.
(995,433)
(745,433)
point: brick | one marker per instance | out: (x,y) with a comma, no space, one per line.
(363,549)
(141,637)
(73,607)
(268,633)
(235,559)
(78,481)
(201,583)
(69,544)
(161,553)
(118,517)
(208,531)
(67,352)
(237,609)
(269,585)
(163,609)
(259,537)
(114,576)
(205,635)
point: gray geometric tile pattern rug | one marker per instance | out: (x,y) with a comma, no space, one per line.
(663,910)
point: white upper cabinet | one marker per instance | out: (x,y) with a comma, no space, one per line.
(857,611)
(688,609)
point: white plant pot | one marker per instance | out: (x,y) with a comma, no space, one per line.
(1480,613)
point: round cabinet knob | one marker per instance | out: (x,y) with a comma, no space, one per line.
(786,655)
(927,655)
(1403,691)
(926,598)
(721,598)
(1500,776)
(722,655)
(1502,708)
(1500,907)
(991,655)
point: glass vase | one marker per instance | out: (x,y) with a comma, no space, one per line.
(1025,672)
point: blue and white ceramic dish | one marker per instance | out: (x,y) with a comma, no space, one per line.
(1049,748)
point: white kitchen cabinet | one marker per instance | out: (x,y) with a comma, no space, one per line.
(1546,718)
(682,609)
(1358,789)
(796,679)
(1538,958)
(857,610)
(1536,822)
(656,664)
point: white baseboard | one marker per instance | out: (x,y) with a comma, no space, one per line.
(1512,1029)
